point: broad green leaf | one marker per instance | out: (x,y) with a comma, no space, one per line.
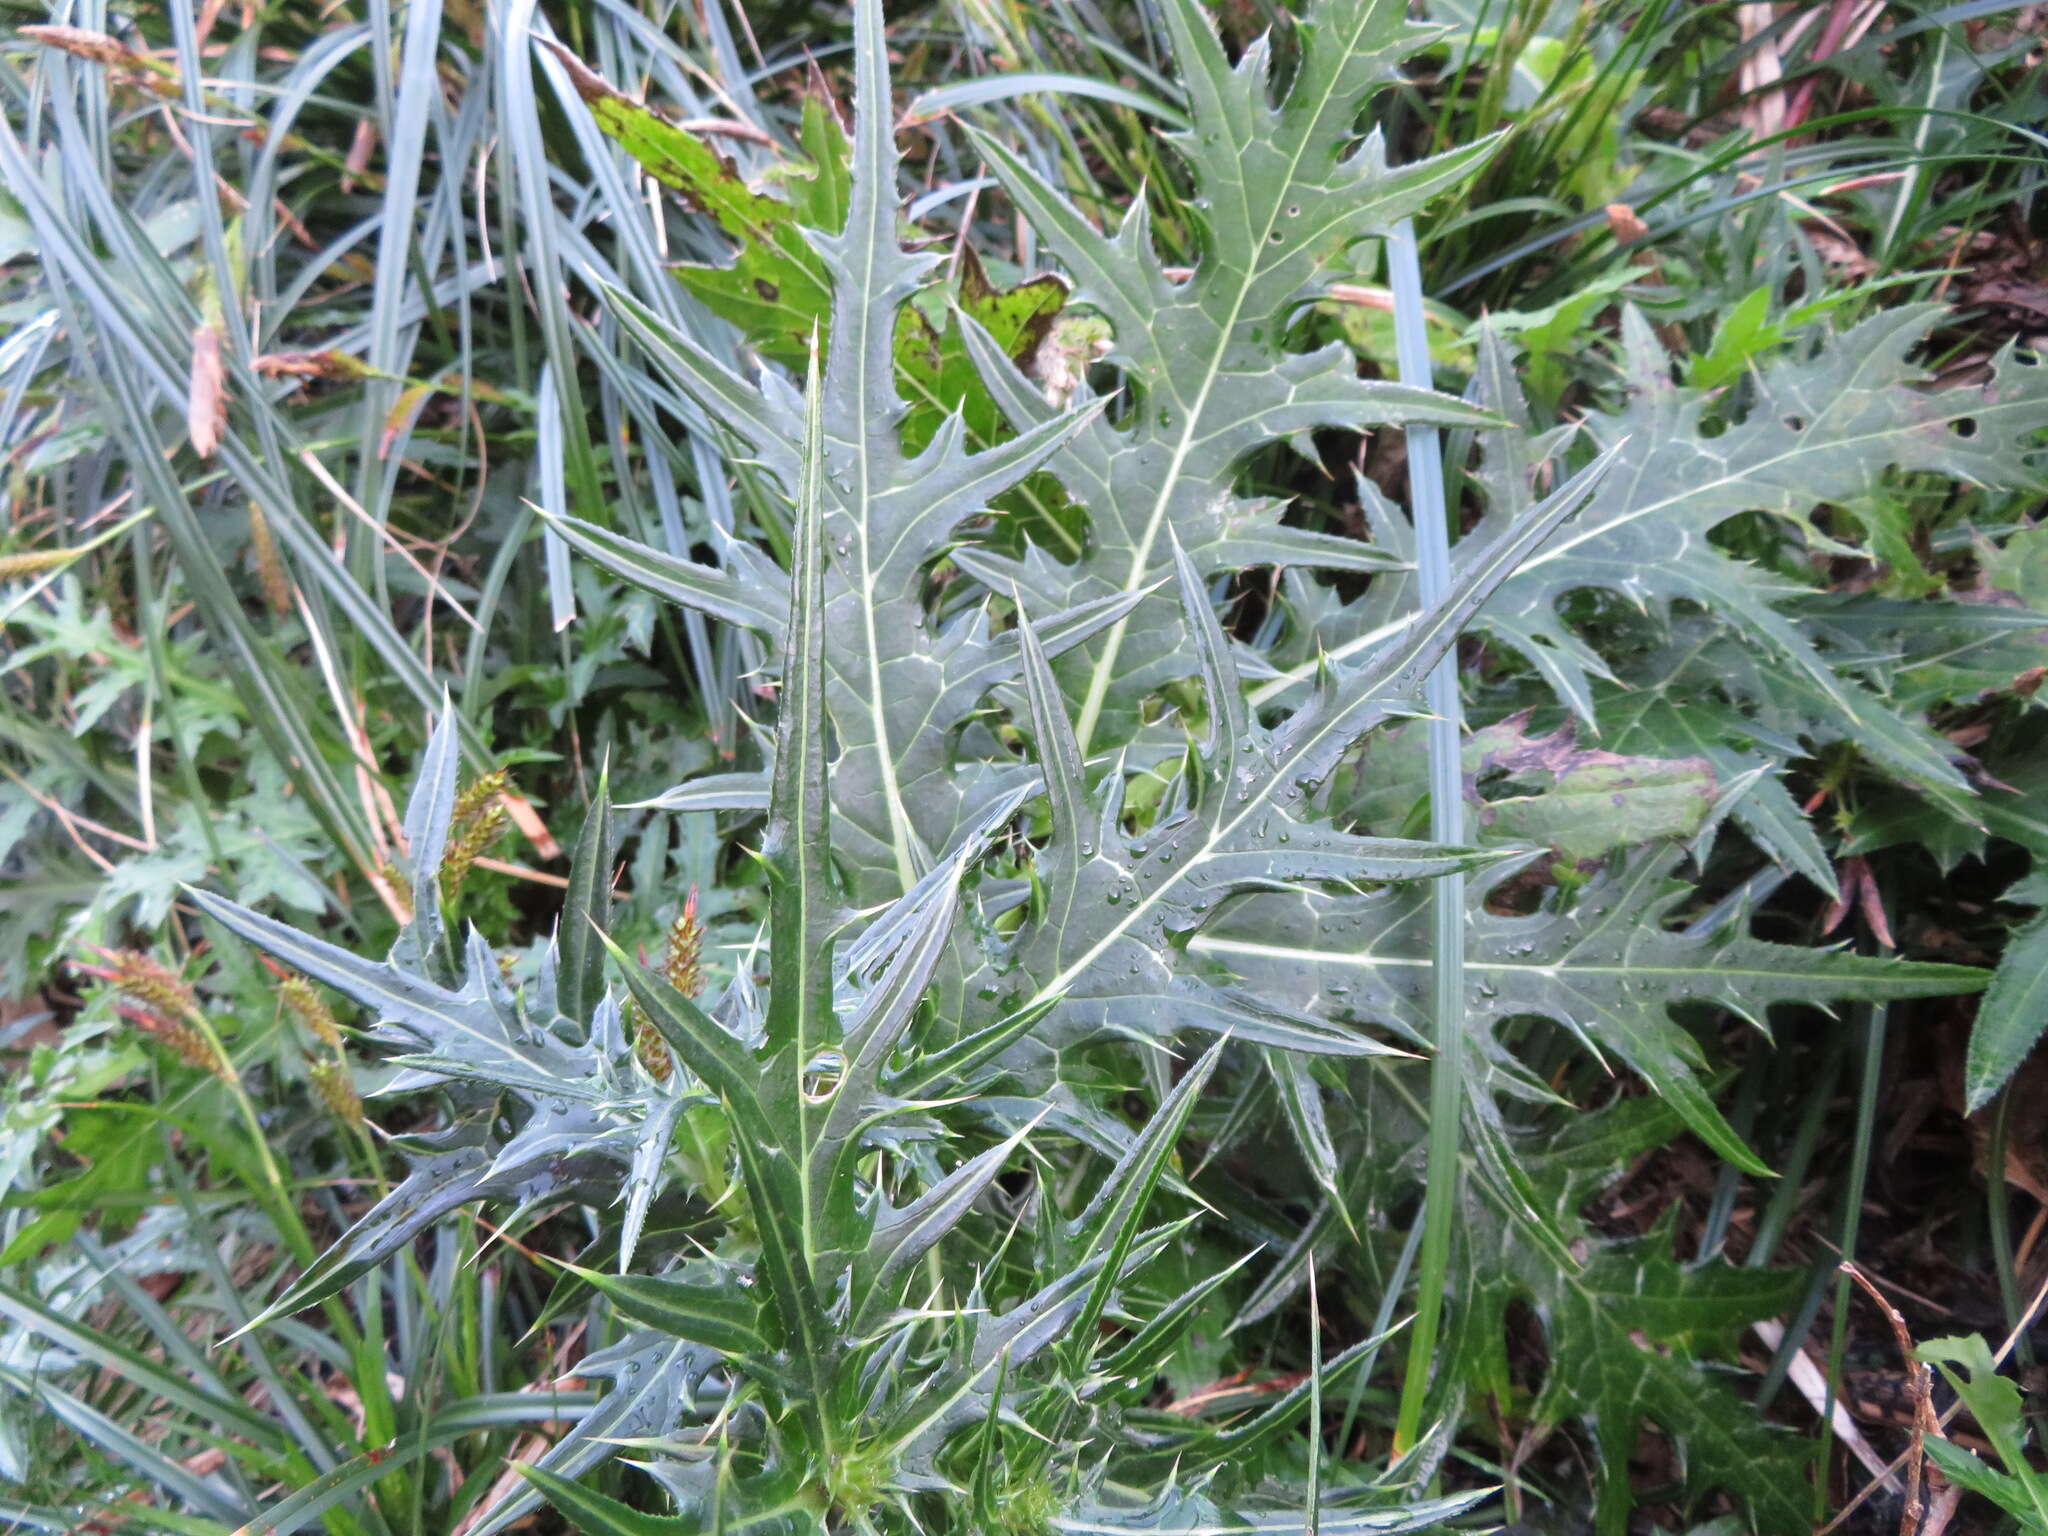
(778,289)
(1994,1402)
(1667,708)
(1547,790)
(2005,1492)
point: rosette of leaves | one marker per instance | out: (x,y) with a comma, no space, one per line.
(872,1333)
(1198,872)
(912,670)
(1092,935)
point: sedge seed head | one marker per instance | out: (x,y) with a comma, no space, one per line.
(302,1000)
(476,822)
(336,1087)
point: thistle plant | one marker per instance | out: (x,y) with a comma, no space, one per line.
(874,1333)
(892,1213)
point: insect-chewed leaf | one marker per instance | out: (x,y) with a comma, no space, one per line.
(1819,430)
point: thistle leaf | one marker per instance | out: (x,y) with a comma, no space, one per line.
(716,1312)
(1606,966)
(2012,1016)
(898,687)
(1628,1329)
(654,1379)
(586,910)
(1282,196)
(1243,817)
(1819,430)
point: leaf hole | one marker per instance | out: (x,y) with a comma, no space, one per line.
(1965,428)
(822,1075)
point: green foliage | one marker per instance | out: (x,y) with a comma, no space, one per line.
(2014,1014)
(1016,724)
(1629,1328)
(1994,1402)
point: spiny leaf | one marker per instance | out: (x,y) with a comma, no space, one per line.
(768,1505)
(1242,816)
(898,687)
(653,1379)
(1282,195)
(586,910)
(718,1313)
(1624,1334)
(1818,430)
(2012,1016)
(797,851)
(1605,965)
(1108,1227)
(1181,1513)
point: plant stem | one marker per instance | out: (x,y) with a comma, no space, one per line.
(1999,1214)
(1446,825)
(1874,1022)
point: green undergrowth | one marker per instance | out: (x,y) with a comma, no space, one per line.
(719,736)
